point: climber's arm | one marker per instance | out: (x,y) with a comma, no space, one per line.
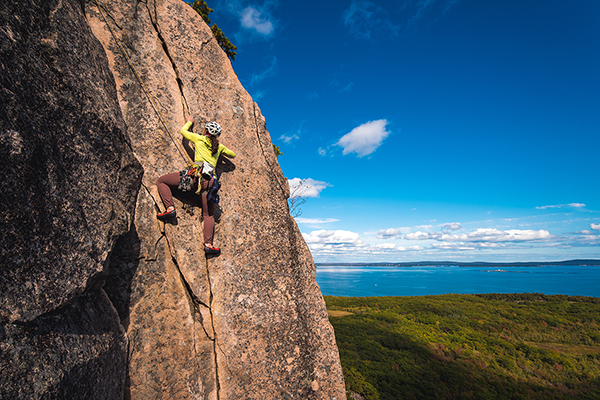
(227,152)
(191,136)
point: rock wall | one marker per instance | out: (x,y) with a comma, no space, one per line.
(248,324)
(69,185)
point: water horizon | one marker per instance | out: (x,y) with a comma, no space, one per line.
(431,278)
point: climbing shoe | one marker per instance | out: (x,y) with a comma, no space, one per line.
(211,250)
(166,215)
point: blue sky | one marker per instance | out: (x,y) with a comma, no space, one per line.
(431,129)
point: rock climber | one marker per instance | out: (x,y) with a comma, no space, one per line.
(207,152)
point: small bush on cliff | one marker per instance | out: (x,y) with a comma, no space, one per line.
(297,197)
(204,10)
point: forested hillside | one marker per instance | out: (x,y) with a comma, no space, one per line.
(492,346)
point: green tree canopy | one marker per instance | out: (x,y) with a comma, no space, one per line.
(224,42)
(204,10)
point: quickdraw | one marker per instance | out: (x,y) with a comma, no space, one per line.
(188,178)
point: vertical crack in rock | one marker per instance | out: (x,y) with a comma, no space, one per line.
(212,321)
(150,194)
(154,21)
(155,256)
(106,12)
(194,300)
(195,303)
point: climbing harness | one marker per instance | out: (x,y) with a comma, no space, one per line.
(183,154)
(188,177)
(191,176)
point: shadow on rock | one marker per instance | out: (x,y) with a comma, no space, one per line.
(123,264)
(80,348)
(224,165)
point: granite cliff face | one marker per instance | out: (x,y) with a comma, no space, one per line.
(69,186)
(101,300)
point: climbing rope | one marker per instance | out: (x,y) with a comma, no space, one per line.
(183,153)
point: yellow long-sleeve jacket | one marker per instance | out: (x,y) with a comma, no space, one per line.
(203,147)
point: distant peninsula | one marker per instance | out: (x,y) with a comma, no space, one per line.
(464,264)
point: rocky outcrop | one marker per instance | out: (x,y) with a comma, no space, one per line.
(248,324)
(69,184)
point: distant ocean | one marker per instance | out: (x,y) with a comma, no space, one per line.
(365,280)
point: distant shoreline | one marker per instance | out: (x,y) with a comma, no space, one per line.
(464,264)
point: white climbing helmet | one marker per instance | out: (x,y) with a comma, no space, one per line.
(213,128)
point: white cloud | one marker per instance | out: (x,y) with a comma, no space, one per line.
(423,226)
(526,235)
(454,238)
(451,227)
(332,237)
(287,139)
(391,233)
(306,187)
(345,245)
(364,18)
(357,17)
(497,235)
(466,246)
(573,205)
(293,134)
(454,246)
(364,139)
(482,236)
(256,20)
(418,10)
(585,238)
(422,235)
(322,152)
(270,71)
(385,246)
(422,7)
(315,220)
(445,240)
(411,248)
(259,95)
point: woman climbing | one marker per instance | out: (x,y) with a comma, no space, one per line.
(207,151)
